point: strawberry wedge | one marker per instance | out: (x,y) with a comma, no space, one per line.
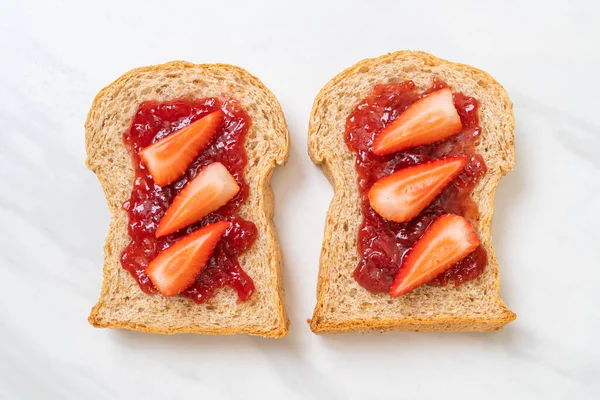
(210,190)
(176,268)
(431,119)
(402,195)
(449,239)
(170,157)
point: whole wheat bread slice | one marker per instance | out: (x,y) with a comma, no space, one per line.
(342,304)
(122,304)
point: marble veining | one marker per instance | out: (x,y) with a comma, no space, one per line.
(53,219)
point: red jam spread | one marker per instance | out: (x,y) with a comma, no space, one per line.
(148,201)
(383,244)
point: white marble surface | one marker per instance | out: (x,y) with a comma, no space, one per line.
(55,56)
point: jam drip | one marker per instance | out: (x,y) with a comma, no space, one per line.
(383,244)
(148,201)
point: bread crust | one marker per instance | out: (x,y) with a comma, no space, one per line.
(343,305)
(122,304)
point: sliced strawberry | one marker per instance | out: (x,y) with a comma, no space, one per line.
(431,119)
(402,195)
(210,190)
(171,156)
(176,268)
(449,239)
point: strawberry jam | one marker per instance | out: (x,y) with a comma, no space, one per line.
(383,244)
(148,201)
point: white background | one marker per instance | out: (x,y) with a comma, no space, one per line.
(55,56)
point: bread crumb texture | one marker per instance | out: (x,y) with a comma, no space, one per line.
(122,304)
(342,304)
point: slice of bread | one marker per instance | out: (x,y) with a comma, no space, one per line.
(342,304)
(122,304)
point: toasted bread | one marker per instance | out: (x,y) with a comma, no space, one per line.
(342,304)
(122,304)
